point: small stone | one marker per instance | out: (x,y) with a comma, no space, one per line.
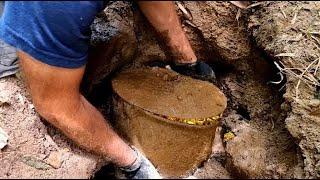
(314,103)
(4,100)
(3,138)
(55,159)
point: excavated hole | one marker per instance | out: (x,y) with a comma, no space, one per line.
(257,71)
(243,111)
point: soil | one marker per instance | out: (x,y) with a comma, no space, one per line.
(36,150)
(268,131)
(293,27)
(256,119)
(256,113)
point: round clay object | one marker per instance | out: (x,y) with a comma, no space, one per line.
(165,92)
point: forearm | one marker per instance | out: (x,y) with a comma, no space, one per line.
(163,17)
(86,126)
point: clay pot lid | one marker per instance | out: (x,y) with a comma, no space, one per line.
(162,91)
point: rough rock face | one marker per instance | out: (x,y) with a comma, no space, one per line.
(35,150)
(293,28)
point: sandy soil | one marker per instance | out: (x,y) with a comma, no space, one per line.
(36,150)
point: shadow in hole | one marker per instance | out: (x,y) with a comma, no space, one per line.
(106,172)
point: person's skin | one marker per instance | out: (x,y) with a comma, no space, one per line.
(163,16)
(56,97)
(55,91)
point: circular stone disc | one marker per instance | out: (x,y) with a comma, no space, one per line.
(165,92)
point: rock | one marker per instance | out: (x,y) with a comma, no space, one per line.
(314,103)
(259,150)
(4,98)
(55,159)
(3,138)
(246,150)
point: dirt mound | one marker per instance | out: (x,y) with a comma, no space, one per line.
(289,33)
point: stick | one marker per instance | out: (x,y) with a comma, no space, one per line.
(283,13)
(301,75)
(317,67)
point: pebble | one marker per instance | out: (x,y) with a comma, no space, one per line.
(314,103)
(55,159)
(3,138)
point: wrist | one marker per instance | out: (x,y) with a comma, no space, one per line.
(181,50)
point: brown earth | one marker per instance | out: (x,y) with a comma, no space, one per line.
(293,27)
(267,132)
(35,150)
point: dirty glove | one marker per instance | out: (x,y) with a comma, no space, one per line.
(198,70)
(142,168)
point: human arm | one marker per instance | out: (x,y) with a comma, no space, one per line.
(163,17)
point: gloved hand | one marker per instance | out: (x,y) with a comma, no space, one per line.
(142,168)
(198,70)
